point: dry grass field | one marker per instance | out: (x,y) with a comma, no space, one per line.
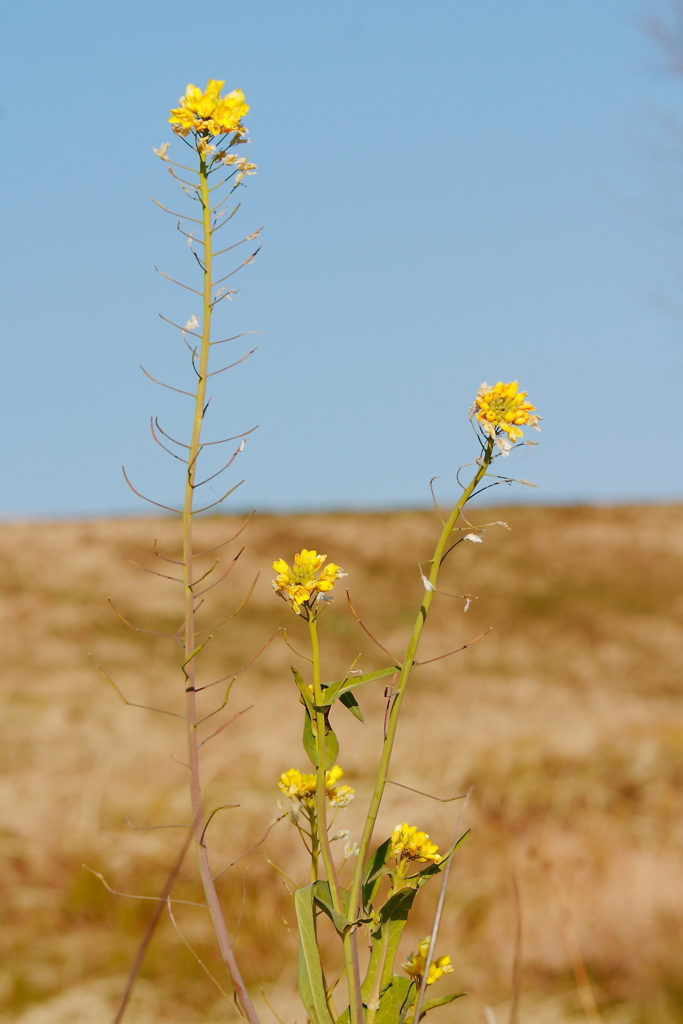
(567,719)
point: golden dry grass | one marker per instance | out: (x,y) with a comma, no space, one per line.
(566,719)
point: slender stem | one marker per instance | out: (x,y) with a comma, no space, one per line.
(315,846)
(320,788)
(350,951)
(404,676)
(217,918)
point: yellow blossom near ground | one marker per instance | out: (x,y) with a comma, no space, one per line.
(408,844)
(299,585)
(502,410)
(208,112)
(415,964)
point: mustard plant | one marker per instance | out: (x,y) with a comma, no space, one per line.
(384,879)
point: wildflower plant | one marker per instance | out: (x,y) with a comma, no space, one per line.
(367,891)
(209,127)
(386,880)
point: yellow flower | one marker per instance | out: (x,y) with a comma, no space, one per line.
(415,964)
(297,786)
(340,796)
(208,112)
(300,788)
(299,584)
(408,844)
(501,411)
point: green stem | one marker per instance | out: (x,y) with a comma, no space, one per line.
(404,677)
(210,893)
(315,846)
(350,950)
(320,789)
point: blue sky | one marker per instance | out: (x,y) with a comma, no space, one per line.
(452,191)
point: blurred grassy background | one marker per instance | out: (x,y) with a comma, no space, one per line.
(566,718)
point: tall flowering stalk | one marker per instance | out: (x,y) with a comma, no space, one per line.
(215,126)
(384,884)
(211,127)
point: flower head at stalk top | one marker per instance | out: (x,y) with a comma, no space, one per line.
(416,962)
(408,844)
(501,410)
(302,583)
(300,787)
(209,113)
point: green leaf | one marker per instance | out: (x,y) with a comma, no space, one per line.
(374,965)
(397,906)
(395,914)
(304,691)
(374,870)
(311,744)
(350,702)
(323,897)
(440,1001)
(331,748)
(310,975)
(305,990)
(385,940)
(395,1000)
(335,690)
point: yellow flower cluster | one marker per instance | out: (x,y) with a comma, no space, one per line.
(298,584)
(409,844)
(415,964)
(300,788)
(501,411)
(208,112)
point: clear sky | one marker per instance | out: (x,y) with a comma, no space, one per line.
(452,191)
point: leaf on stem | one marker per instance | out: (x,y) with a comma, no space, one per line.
(323,899)
(350,702)
(395,1001)
(311,746)
(335,690)
(386,938)
(310,974)
(440,1001)
(305,692)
